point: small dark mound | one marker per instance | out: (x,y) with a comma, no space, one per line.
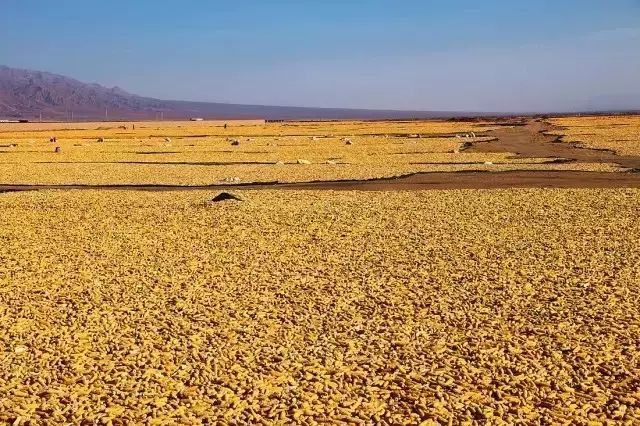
(223,196)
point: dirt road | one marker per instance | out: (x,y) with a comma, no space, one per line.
(532,140)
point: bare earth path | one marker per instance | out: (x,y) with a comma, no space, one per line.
(527,141)
(531,140)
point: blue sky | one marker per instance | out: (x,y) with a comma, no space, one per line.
(432,55)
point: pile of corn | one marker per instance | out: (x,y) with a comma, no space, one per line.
(490,307)
(147,156)
(617,133)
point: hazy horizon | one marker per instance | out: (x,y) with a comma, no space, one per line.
(460,56)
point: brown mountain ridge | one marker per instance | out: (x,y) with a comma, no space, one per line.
(26,94)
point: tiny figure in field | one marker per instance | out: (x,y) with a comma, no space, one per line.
(225,126)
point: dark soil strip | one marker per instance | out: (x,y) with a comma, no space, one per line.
(495,163)
(164,163)
(156,152)
(418,181)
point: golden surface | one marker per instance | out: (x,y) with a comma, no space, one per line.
(500,307)
(617,133)
(205,153)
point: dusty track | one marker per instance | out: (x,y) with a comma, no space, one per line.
(526,141)
(419,181)
(532,140)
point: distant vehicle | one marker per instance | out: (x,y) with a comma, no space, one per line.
(196,119)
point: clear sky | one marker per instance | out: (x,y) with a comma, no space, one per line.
(481,55)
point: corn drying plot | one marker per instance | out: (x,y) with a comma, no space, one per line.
(320,307)
(207,153)
(476,306)
(617,133)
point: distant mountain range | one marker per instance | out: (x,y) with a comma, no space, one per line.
(30,95)
(26,94)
